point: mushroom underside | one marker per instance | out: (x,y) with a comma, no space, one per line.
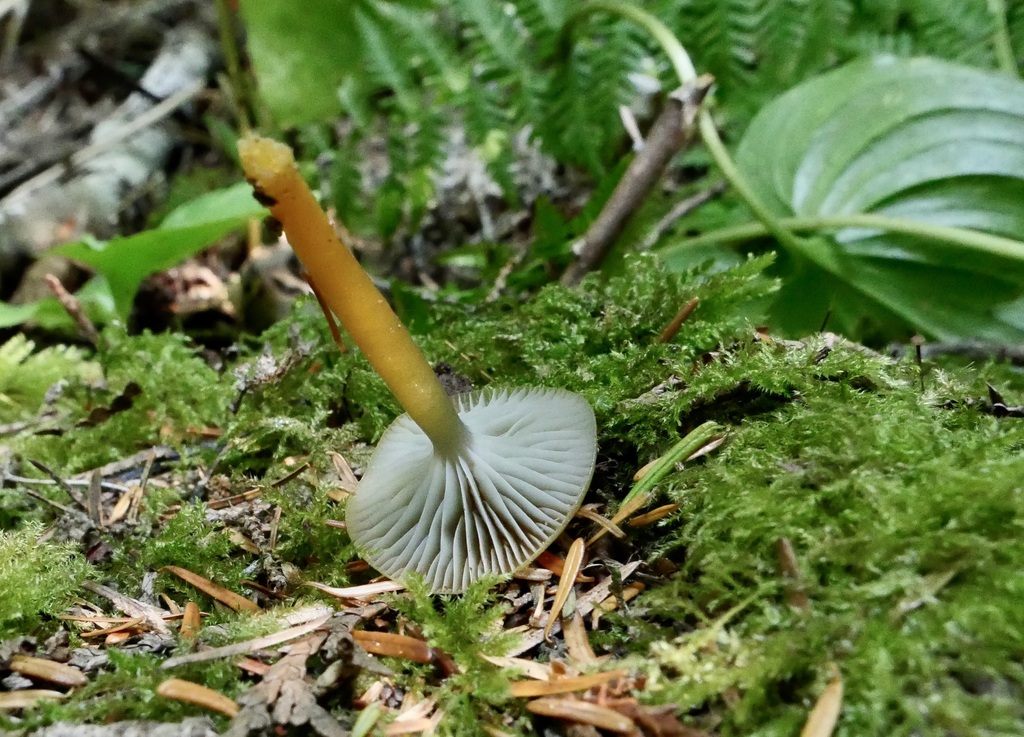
(487,508)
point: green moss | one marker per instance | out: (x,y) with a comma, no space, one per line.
(39,580)
(128,691)
(189,541)
(904,507)
(179,394)
(464,627)
(905,516)
(25,375)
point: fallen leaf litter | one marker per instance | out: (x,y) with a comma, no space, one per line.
(584,688)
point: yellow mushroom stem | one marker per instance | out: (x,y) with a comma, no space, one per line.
(348,291)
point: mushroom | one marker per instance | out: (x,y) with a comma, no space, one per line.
(457,488)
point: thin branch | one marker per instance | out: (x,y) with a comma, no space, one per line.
(65,487)
(672,130)
(109,485)
(73,307)
(200,488)
(680,210)
(1001,38)
(229,49)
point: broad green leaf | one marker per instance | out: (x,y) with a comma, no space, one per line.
(95,298)
(11,315)
(303,53)
(230,203)
(125,262)
(920,140)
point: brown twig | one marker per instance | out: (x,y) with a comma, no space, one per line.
(136,503)
(56,505)
(669,133)
(73,307)
(973,350)
(94,499)
(682,209)
(917,341)
(64,485)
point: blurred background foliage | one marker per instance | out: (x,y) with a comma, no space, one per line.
(466,146)
(380,95)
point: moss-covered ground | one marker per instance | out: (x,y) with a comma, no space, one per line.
(900,492)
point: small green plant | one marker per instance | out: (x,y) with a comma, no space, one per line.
(912,167)
(27,374)
(465,628)
(122,263)
(40,579)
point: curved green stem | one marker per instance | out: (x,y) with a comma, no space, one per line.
(973,240)
(232,61)
(658,30)
(709,134)
(1001,38)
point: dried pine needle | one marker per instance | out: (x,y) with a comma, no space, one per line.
(192,693)
(821,722)
(568,684)
(573,563)
(583,712)
(47,670)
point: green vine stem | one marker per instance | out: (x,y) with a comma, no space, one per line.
(709,134)
(1001,37)
(987,243)
(232,61)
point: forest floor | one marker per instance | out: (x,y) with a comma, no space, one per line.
(850,526)
(842,551)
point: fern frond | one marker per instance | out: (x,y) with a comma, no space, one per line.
(493,34)
(580,122)
(960,31)
(424,46)
(543,21)
(723,39)
(25,375)
(488,122)
(800,38)
(382,64)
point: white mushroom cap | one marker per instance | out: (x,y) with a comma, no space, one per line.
(499,497)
